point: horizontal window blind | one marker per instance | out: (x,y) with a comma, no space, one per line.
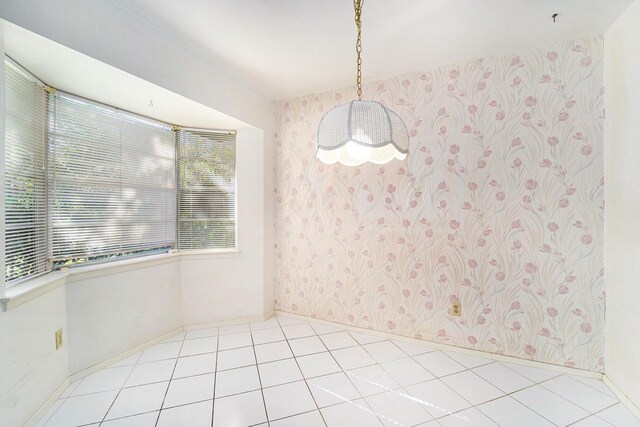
(111,181)
(25,178)
(206,189)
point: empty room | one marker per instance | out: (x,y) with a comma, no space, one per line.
(297,213)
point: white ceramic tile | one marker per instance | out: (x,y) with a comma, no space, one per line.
(233,329)
(195,365)
(130,360)
(592,421)
(199,346)
(176,338)
(183,391)
(71,388)
(502,377)
(554,408)
(298,331)
(338,340)
(384,351)
(619,415)
(263,336)
(471,387)
(318,364)
(534,374)
(160,351)
(350,414)
(413,349)
(143,420)
(284,321)
(395,408)
(80,410)
(201,333)
(352,357)
(288,399)
(152,372)
(308,419)
(194,415)
(407,371)
(507,411)
(594,383)
(272,322)
(237,381)
(468,418)
(236,358)
(331,389)
(322,329)
(227,342)
(439,364)
(308,345)
(371,380)
(438,399)
(240,410)
(138,400)
(363,338)
(272,351)
(103,380)
(467,360)
(580,394)
(279,372)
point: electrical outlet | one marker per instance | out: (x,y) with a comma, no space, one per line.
(456,309)
(58,339)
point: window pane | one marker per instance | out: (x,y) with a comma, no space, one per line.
(25,186)
(111,181)
(207,190)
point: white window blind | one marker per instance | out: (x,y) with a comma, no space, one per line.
(24,175)
(207,189)
(111,181)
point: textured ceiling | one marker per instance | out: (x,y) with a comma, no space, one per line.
(293,47)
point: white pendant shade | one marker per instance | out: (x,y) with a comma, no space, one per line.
(359,132)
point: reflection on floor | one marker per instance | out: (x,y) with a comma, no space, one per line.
(289,372)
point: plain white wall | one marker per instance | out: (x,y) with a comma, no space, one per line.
(114,312)
(622,214)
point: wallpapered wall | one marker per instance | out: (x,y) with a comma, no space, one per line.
(499,205)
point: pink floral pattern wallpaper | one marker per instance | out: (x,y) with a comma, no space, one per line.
(499,205)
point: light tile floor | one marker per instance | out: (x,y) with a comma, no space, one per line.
(289,372)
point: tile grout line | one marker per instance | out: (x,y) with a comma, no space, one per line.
(255,356)
(215,379)
(120,389)
(170,379)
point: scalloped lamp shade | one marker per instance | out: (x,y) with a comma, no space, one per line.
(359,132)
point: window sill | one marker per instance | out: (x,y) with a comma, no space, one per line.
(26,291)
(30,289)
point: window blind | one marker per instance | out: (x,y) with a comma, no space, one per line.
(24,174)
(111,181)
(206,189)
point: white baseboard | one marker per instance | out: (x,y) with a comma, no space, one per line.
(448,347)
(35,418)
(621,396)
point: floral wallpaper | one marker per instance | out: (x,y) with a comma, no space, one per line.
(499,205)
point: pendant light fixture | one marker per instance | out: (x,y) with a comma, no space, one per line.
(361,131)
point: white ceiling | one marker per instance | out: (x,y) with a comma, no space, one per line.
(68,70)
(292,47)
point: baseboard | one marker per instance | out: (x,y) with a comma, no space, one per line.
(251,319)
(448,347)
(35,418)
(621,396)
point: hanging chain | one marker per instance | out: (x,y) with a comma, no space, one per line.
(357,6)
